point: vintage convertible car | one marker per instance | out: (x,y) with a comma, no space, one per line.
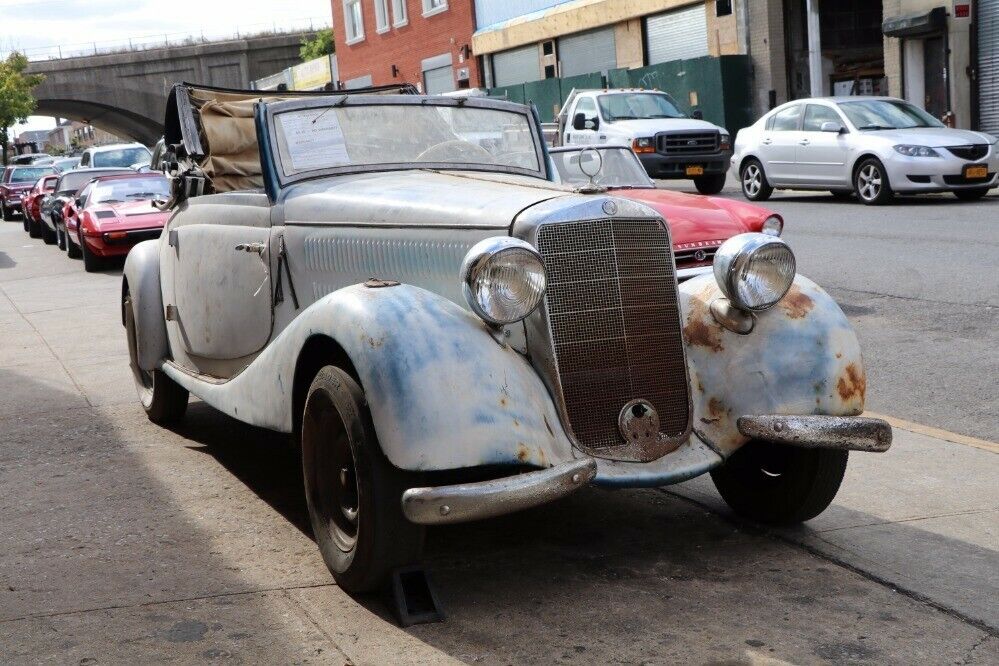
(111,214)
(450,335)
(698,225)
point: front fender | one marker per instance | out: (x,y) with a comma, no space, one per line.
(802,357)
(443,392)
(142,279)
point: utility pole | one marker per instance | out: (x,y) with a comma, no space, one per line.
(815,76)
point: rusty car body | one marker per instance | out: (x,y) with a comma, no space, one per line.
(450,335)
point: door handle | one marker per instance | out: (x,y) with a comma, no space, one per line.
(804,142)
(767,142)
(258,248)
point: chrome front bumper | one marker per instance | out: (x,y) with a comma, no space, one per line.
(845,433)
(474,501)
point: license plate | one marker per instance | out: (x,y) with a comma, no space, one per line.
(973,171)
(695,171)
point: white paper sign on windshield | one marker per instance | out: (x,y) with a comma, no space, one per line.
(314,139)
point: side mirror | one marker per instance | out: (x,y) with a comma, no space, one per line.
(830,126)
(592,123)
(697,115)
(579,121)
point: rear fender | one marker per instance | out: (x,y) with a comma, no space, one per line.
(802,357)
(142,280)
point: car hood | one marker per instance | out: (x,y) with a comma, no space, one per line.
(650,127)
(935,137)
(691,218)
(417,198)
(130,215)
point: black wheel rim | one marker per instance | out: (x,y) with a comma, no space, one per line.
(334,489)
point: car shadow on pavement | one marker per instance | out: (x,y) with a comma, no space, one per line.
(6,261)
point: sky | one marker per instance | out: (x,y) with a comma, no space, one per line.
(37,26)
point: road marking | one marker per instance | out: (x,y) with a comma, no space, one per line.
(937,433)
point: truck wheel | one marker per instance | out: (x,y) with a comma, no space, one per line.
(870,182)
(164,400)
(755,185)
(778,484)
(710,184)
(48,236)
(354,494)
(971,195)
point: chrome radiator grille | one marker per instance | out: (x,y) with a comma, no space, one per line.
(615,326)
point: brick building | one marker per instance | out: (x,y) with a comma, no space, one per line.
(423,42)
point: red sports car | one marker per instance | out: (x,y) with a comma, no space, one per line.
(698,224)
(15,180)
(113,213)
(32,199)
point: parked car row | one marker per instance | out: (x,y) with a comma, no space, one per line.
(95,210)
(455,324)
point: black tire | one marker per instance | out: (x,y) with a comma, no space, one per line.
(35,229)
(91,262)
(164,400)
(61,240)
(353,492)
(871,184)
(755,185)
(48,235)
(778,484)
(72,249)
(710,184)
(971,195)
(842,195)
(4,212)
(26,223)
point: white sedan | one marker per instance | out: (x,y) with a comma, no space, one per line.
(874,147)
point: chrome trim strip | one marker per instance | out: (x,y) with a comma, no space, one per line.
(474,501)
(843,433)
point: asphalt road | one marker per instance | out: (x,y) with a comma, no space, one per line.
(919,280)
(123,542)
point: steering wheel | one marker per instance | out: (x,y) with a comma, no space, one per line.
(455,150)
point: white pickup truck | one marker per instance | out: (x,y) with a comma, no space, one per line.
(669,144)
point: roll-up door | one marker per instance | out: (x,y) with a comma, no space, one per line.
(677,35)
(988,66)
(587,52)
(437,81)
(517,66)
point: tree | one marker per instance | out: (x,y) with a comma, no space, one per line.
(321,44)
(16,100)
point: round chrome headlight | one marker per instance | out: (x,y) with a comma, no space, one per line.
(503,280)
(754,270)
(773,226)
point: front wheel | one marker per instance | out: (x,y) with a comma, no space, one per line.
(755,185)
(353,492)
(164,400)
(971,195)
(870,182)
(48,235)
(710,184)
(91,262)
(72,249)
(61,239)
(779,484)
(35,228)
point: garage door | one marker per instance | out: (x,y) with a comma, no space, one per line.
(677,35)
(988,66)
(440,80)
(517,66)
(587,52)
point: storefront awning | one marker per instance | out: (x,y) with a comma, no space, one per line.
(916,25)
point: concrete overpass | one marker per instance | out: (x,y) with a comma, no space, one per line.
(125,93)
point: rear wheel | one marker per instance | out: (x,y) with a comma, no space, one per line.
(91,262)
(755,185)
(354,494)
(163,399)
(778,484)
(971,195)
(61,240)
(710,184)
(35,228)
(72,249)
(48,235)
(870,182)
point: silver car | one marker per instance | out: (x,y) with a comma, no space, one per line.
(871,147)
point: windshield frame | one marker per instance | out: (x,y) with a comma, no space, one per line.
(111,181)
(894,102)
(555,152)
(272,166)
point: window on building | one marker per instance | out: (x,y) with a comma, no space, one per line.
(353,20)
(381,16)
(434,6)
(787,120)
(399,15)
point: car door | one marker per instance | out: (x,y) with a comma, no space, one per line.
(822,156)
(779,144)
(221,268)
(588,135)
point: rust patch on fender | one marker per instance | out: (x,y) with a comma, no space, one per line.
(522,452)
(796,303)
(701,329)
(716,410)
(853,384)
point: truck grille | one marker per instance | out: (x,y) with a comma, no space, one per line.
(975,151)
(689,143)
(614,320)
